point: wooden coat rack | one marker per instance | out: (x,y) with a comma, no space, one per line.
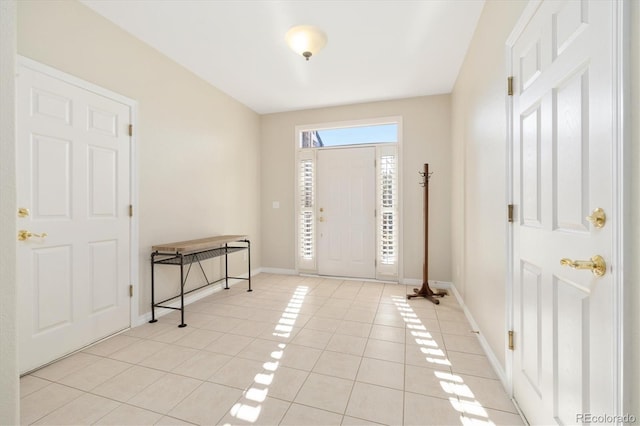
(425,291)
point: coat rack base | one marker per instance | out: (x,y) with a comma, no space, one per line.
(426,292)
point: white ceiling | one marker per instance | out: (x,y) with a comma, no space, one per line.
(377,49)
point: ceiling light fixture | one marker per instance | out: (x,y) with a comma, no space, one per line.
(306,40)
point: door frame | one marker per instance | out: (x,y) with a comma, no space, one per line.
(298,129)
(621,170)
(133,165)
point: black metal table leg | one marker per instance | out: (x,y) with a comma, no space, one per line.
(182,324)
(226,267)
(153,302)
(249,262)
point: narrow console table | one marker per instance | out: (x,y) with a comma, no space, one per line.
(185,253)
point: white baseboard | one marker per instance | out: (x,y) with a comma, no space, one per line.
(491,356)
(444,285)
(279,271)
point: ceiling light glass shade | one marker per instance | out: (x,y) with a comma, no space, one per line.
(306,40)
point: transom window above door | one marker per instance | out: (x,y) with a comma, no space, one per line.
(353,135)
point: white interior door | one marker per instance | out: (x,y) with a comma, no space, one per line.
(563,363)
(346,212)
(73,177)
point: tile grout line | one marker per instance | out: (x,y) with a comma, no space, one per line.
(330,301)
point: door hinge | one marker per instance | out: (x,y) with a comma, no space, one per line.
(510,340)
(130,129)
(510,213)
(375,262)
(131,290)
(130,210)
(510,86)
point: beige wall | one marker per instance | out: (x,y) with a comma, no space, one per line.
(9,387)
(479,173)
(198,149)
(426,139)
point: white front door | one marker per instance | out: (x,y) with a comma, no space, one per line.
(346,212)
(73,184)
(563,362)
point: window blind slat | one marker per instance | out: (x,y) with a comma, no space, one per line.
(388,190)
(306,220)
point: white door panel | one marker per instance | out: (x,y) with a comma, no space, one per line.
(73,176)
(346,201)
(563,318)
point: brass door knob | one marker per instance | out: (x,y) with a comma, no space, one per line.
(321,219)
(596,265)
(24,235)
(597,218)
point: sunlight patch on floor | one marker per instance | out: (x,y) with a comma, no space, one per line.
(462,399)
(249,409)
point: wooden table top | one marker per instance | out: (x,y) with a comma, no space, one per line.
(197,245)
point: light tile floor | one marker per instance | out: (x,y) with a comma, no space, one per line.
(295,351)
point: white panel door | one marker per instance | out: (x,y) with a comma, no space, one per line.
(563,317)
(73,177)
(346,212)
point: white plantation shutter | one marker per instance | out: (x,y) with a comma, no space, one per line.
(387,213)
(306,211)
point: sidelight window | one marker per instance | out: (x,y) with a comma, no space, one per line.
(306,210)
